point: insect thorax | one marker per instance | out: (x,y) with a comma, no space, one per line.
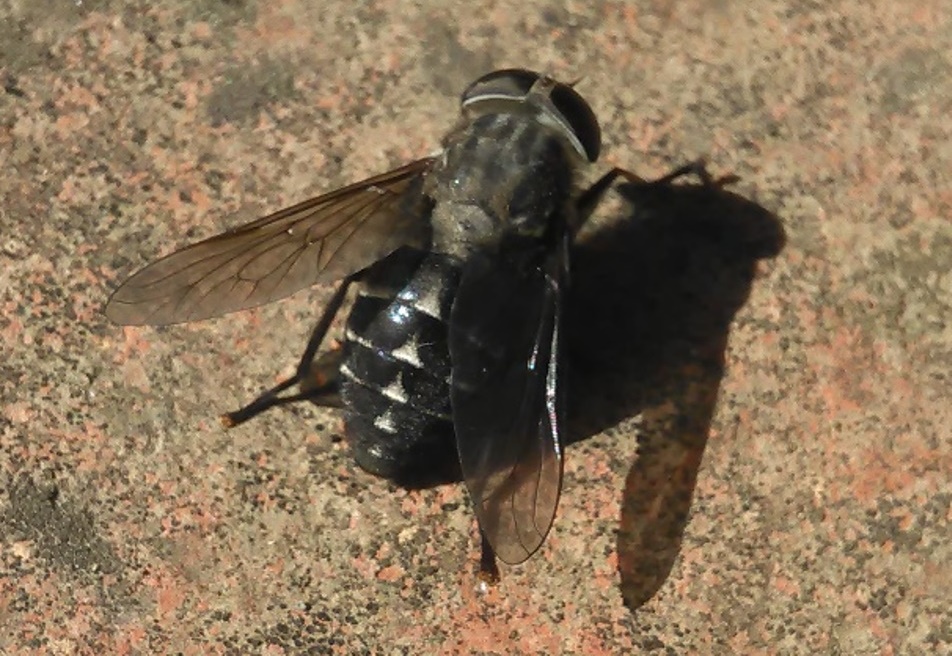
(500,175)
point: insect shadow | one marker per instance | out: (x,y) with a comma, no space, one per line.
(654,290)
(652,298)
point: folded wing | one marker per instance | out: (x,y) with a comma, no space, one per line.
(504,345)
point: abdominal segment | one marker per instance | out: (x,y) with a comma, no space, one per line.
(396,369)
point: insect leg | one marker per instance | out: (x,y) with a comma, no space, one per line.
(315,383)
(590,198)
(488,569)
(699,168)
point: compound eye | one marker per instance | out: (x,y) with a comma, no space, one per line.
(579,117)
(507,84)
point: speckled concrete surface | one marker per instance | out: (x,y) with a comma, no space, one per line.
(767,462)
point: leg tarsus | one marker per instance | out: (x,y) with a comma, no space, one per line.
(699,168)
(319,386)
(590,198)
(310,375)
(488,569)
(267,400)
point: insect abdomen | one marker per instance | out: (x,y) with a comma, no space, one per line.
(395,374)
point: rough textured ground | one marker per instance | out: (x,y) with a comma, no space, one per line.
(762,372)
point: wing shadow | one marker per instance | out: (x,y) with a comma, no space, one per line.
(652,298)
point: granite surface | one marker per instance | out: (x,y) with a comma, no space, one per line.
(760,409)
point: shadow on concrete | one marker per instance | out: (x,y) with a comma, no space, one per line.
(653,296)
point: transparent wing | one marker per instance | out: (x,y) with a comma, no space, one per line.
(322,239)
(504,345)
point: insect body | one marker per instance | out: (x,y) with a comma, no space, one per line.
(451,351)
(395,375)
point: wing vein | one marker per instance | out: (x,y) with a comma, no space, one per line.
(319,240)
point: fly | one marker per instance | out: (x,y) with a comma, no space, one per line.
(451,354)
